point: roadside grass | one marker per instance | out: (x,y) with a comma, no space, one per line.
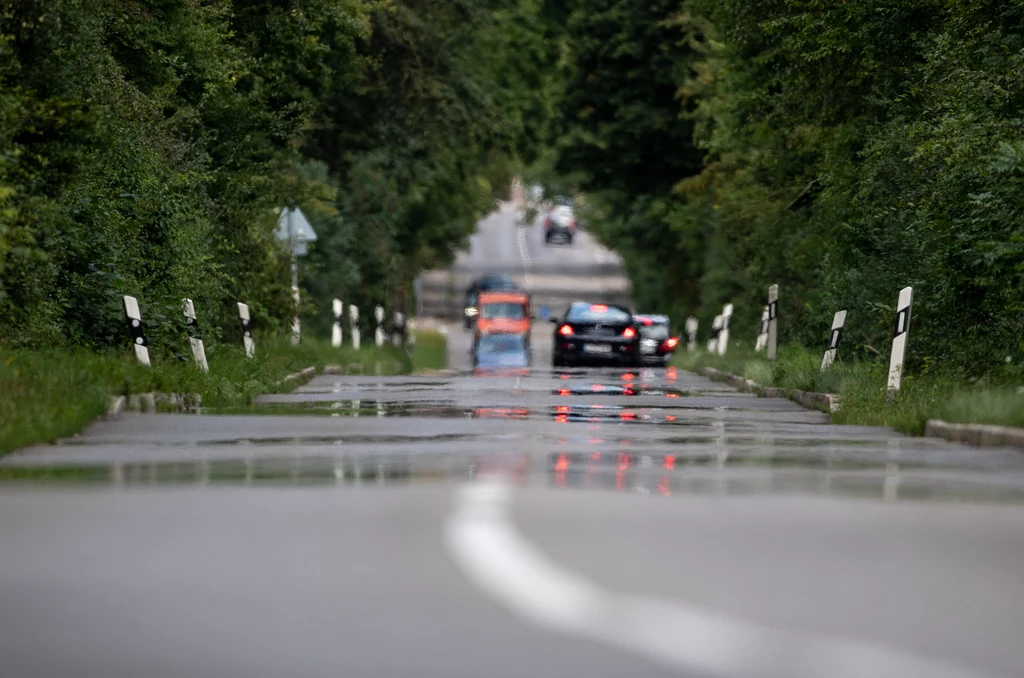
(430,351)
(48,394)
(862,389)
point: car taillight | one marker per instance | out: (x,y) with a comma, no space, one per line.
(629,333)
(669,344)
(565,330)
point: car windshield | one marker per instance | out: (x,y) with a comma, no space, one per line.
(500,343)
(655,331)
(596,313)
(503,309)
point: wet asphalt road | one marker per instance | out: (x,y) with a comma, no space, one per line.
(591,522)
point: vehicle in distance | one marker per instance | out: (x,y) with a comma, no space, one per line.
(503,312)
(505,350)
(491,282)
(656,341)
(559,225)
(595,334)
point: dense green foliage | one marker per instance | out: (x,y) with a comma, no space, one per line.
(145,146)
(840,149)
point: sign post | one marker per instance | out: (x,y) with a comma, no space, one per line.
(131,312)
(716,330)
(691,334)
(762,334)
(773,321)
(353,316)
(723,336)
(833,340)
(194,337)
(294,229)
(336,334)
(899,340)
(247,341)
(378,335)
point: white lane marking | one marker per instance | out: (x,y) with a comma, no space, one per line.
(485,544)
(524,254)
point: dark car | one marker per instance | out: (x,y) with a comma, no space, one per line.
(656,341)
(596,334)
(560,225)
(501,351)
(492,282)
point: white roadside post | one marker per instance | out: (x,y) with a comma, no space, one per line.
(762,334)
(899,340)
(716,330)
(398,333)
(833,340)
(336,334)
(353,316)
(378,335)
(247,341)
(773,321)
(691,334)
(131,312)
(294,228)
(723,336)
(194,338)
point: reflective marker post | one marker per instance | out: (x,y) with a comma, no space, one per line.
(716,330)
(378,335)
(336,334)
(723,336)
(194,337)
(833,340)
(773,321)
(247,341)
(899,340)
(691,333)
(131,312)
(762,334)
(353,316)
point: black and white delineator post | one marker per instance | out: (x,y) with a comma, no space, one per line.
(247,341)
(336,334)
(723,335)
(773,321)
(716,331)
(398,333)
(762,334)
(353,316)
(899,339)
(131,312)
(691,334)
(833,340)
(378,335)
(194,337)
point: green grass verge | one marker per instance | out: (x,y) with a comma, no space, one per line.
(862,389)
(430,351)
(51,394)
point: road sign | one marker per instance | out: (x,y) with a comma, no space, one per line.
(293,226)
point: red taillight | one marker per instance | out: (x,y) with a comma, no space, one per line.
(629,333)
(648,322)
(669,344)
(565,330)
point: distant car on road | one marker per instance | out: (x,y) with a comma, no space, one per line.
(656,341)
(492,282)
(501,351)
(503,312)
(560,225)
(596,334)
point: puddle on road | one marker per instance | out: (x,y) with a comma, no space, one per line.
(661,474)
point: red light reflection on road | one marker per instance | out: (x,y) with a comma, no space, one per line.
(670,417)
(671,395)
(628,376)
(663,486)
(671,374)
(561,418)
(563,391)
(562,464)
(597,388)
(670,462)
